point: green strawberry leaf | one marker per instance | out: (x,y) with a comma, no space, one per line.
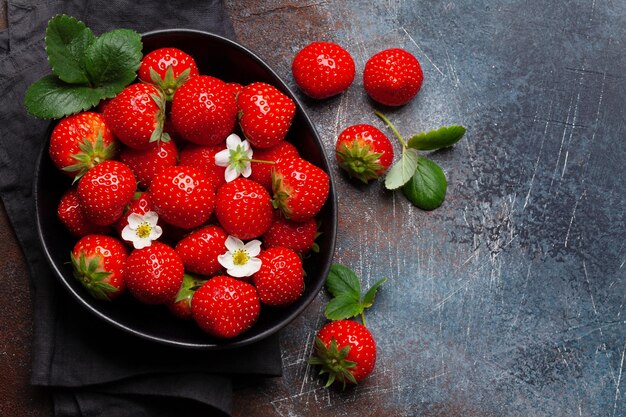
(402,170)
(368,298)
(189,286)
(343,307)
(51,98)
(436,139)
(342,281)
(67,40)
(112,60)
(427,188)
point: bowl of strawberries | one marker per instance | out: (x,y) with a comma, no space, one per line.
(195,207)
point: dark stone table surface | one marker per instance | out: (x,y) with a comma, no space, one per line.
(507,300)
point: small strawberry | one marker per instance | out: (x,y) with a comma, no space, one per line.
(225,307)
(265,114)
(364,152)
(323,69)
(136,116)
(262,171)
(81,141)
(346,351)
(297,236)
(199,250)
(147,163)
(204,111)
(73,218)
(203,158)
(181,306)
(392,77)
(98,262)
(244,208)
(168,69)
(300,189)
(182,196)
(154,274)
(105,190)
(280,281)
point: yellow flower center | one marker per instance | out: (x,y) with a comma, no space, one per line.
(240,257)
(143,230)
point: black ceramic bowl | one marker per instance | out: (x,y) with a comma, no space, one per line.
(229,61)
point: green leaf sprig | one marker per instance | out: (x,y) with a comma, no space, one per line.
(422,181)
(85,68)
(347,300)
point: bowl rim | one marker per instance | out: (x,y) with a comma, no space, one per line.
(331,200)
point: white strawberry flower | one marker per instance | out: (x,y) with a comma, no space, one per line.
(236,158)
(240,259)
(141,230)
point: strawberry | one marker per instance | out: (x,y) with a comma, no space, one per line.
(300,188)
(203,158)
(183,196)
(392,77)
(280,281)
(140,204)
(244,208)
(234,88)
(136,115)
(297,236)
(154,274)
(265,114)
(345,350)
(105,190)
(225,307)
(98,262)
(262,171)
(364,152)
(323,69)
(204,110)
(168,69)
(73,218)
(181,306)
(199,250)
(81,141)
(147,163)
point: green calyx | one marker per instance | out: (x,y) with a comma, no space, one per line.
(169,84)
(333,362)
(281,195)
(91,278)
(90,155)
(359,161)
(158,134)
(190,284)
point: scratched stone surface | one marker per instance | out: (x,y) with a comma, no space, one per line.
(507,300)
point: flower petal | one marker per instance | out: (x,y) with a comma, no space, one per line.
(253,266)
(247,171)
(230,174)
(232,141)
(245,145)
(232,243)
(142,242)
(155,233)
(134,220)
(226,260)
(253,248)
(222,158)
(238,272)
(151,217)
(129,234)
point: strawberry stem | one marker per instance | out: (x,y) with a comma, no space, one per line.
(260,161)
(363,318)
(382,116)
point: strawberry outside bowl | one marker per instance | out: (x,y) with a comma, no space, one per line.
(225,59)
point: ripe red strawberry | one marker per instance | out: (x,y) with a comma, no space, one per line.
(81,141)
(181,306)
(297,236)
(392,77)
(235,88)
(244,208)
(323,69)
(136,115)
(199,250)
(346,351)
(225,307)
(265,114)
(262,172)
(364,152)
(300,189)
(182,196)
(280,281)
(98,262)
(105,190)
(168,69)
(154,274)
(148,163)
(73,218)
(204,111)
(203,158)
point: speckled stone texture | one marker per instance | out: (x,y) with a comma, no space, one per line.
(506,301)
